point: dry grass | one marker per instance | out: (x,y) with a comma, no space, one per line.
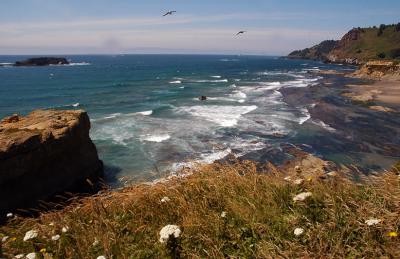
(260,219)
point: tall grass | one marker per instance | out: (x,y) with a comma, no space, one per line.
(223,211)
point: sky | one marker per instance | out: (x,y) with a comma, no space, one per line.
(274,27)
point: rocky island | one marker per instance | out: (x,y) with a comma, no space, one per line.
(44,153)
(40,61)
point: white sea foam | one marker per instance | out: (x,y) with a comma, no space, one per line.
(212,157)
(112,116)
(156,138)
(228,60)
(238,94)
(145,113)
(324,125)
(306,116)
(216,76)
(211,81)
(72,105)
(5,64)
(205,158)
(79,64)
(176,82)
(225,116)
(274,83)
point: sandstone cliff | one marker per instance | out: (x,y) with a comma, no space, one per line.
(44,153)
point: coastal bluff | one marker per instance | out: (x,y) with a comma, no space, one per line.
(44,153)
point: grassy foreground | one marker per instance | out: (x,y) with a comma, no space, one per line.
(222,211)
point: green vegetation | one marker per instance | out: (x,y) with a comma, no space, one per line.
(362,44)
(222,211)
(383,42)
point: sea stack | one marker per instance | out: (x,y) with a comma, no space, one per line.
(44,153)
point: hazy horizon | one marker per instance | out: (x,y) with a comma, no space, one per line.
(46,27)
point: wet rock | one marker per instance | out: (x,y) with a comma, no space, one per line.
(381,108)
(203,98)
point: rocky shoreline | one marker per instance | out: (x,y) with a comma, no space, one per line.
(45,153)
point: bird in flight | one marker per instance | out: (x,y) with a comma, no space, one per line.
(241,32)
(169,13)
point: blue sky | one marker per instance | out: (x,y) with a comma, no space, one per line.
(207,26)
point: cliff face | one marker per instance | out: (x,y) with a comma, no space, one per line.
(356,47)
(41,154)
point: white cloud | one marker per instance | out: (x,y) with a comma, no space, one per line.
(156,34)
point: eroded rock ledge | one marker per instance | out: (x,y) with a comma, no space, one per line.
(46,152)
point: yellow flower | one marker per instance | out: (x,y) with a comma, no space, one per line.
(13,238)
(392,234)
(43,250)
(309,179)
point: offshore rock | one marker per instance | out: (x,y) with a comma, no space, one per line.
(42,61)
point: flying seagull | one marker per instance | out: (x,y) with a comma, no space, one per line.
(169,13)
(241,32)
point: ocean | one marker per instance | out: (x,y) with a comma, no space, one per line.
(147,118)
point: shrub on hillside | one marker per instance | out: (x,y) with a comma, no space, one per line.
(382,27)
(381,55)
(394,53)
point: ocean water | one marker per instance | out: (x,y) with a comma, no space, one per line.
(146,116)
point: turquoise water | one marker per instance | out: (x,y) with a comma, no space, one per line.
(145,113)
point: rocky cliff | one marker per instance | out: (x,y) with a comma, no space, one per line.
(357,46)
(44,153)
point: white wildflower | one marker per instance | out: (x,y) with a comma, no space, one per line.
(169,230)
(65,229)
(332,174)
(223,214)
(101,257)
(9,215)
(287,178)
(31,256)
(51,224)
(371,222)
(55,238)
(4,239)
(298,231)
(30,235)
(298,181)
(165,199)
(19,256)
(302,196)
(96,242)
